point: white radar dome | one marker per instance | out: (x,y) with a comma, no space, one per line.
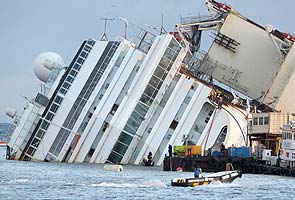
(45,62)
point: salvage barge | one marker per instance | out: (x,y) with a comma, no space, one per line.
(216,164)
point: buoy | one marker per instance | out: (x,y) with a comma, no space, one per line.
(116,168)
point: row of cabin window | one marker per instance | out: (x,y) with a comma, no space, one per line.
(288,135)
(260,120)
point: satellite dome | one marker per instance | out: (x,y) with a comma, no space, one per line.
(45,62)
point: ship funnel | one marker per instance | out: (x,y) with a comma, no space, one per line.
(11,112)
(45,62)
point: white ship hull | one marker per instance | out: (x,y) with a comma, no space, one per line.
(116,104)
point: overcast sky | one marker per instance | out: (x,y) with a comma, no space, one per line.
(31,27)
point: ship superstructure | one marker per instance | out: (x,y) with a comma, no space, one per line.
(117,100)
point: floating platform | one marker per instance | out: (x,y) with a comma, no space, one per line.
(112,167)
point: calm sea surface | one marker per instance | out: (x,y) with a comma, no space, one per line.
(32,180)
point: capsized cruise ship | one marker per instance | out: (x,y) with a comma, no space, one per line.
(118,100)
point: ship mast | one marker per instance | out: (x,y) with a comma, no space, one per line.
(104,36)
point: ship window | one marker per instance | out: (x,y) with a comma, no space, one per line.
(40,133)
(159,72)
(114,109)
(266,120)
(120,148)
(129,129)
(73,73)
(173,125)
(87,48)
(49,116)
(84,54)
(77,66)
(149,91)
(66,85)
(139,114)
(146,100)
(91,151)
(141,110)
(63,91)
(164,63)
(58,99)
(90,42)
(53,107)
(174,45)
(115,157)
(80,61)
(125,138)
(260,120)
(35,142)
(133,124)
(136,116)
(31,150)
(154,81)
(44,125)
(255,121)
(70,79)
(169,53)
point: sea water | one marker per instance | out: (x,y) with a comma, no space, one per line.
(39,180)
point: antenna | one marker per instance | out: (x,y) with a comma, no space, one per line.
(104,36)
(162,30)
(26,98)
(125,26)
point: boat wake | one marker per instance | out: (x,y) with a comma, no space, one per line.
(151,183)
(20,181)
(218,184)
(155,183)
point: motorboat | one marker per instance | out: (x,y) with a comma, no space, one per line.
(223,177)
